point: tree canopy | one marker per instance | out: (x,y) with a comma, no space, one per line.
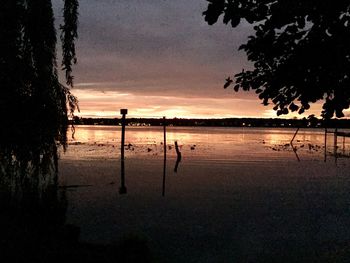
(300,51)
(34,105)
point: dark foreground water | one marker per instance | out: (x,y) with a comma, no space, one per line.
(239,194)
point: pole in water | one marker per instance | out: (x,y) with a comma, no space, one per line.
(122,189)
(335,143)
(325,144)
(164,129)
(164,163)
(295,134)
(291,144)
(123,112)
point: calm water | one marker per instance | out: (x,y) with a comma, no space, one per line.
(200,143)
(239,195)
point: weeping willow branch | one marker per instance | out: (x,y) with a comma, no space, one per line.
(69,33)
(34,105)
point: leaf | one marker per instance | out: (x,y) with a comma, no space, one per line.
(290,53)
(285,111)
(293,107)
(215,9)
(228,82)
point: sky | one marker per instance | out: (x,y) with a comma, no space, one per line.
(159,58)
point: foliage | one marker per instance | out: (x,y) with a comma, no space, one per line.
(68,36)
(34,105)
(300,51)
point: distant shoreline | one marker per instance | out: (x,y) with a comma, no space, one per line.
(225,122)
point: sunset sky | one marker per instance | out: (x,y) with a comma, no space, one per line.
(159,58)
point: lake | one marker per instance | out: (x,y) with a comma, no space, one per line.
(239,194)
(234,144)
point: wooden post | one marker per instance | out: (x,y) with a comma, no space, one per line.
(295,134)
(291,144)
(164,163)
(335,142)
(122,189)
(325,144)
(164,129)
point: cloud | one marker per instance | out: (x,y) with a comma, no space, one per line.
(158,57)
(124,40)
(97,103)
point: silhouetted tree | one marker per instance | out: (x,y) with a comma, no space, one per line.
(34,105)
(300,51)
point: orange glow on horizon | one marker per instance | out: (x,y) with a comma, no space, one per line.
(106,104)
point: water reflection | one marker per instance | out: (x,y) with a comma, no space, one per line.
(33,223)
(164,175)
(178,159)
(219,143)
(295,151)
(122,188)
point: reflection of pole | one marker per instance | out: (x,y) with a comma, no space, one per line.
(295,151)
(178,160)
(294,148)
(164,175)
(122,189)
(164,163)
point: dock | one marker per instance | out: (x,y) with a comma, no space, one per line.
(336,134)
